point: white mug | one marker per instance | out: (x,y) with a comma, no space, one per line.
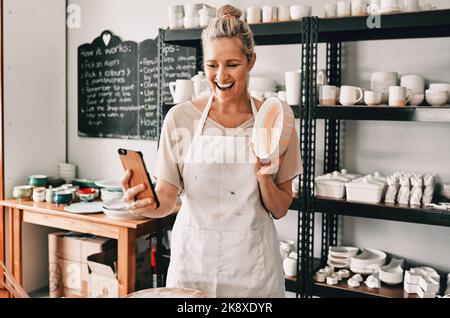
(293,87)
(349,95)
(299,11)
(253,15)
(182,90)
(372,98)
(343,9)
(290,266)
(359,7)
(398,96)
(327,95)
(410,5)
(330,10)
(389,5)
(283,13)
(267,14)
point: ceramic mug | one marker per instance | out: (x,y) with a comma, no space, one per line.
(398,95)
(343,9)
(327,95)
(253,15)
(290,266)
(283,13)
(410,5)
(39,194)
(359,7)
(269,14)
(350,95)
(299,11)
(372,98)
(293,87)
(182,90)
(330,10)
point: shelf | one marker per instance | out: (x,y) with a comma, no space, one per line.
(384,211)
(425,24)
(407,113)
(342,290)
(264,34)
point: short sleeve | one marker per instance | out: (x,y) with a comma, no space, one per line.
(167,167)
(292,165)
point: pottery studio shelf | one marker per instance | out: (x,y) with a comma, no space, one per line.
(382,211)
(384,112)
(424,24)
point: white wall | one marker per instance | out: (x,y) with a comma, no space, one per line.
(369,146)
(34,109)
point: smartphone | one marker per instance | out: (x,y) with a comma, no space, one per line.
(134,161)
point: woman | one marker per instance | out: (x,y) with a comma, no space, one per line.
(224,240)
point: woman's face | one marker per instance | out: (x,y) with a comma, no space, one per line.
(227,69)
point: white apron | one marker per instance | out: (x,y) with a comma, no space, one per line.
(223,241)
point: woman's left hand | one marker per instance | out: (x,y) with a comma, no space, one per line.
(265,170)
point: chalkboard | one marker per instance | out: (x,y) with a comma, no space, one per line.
(118,85)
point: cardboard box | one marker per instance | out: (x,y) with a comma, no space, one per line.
(103,282)
(68,253)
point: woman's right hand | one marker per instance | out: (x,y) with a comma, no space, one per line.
(136,207)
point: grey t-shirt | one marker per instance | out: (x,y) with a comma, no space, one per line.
(177,133)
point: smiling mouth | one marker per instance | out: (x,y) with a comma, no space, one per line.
(224,87)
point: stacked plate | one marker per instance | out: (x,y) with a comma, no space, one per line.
(110,189)
(117,209)
(339,256)
(67,171)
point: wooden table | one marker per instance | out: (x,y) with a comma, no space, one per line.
(46,214)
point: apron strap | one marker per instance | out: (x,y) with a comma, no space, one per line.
(201,124)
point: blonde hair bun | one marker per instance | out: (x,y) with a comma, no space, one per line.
(228,10)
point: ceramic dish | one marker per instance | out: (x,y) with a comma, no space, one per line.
(121,215)
(38,180)
(392,273)
(84,208)
(273,129)
(369,256)
(342,251)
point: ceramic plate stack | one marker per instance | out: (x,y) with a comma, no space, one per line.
(339,256)
(67,171)
(368,261)
(116,209)
(110,189)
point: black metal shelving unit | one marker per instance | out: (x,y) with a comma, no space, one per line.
(292,32)
(334,32)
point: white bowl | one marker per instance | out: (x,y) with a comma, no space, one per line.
(436,98)
(416,99)
(369,256)
(441,87)
(273,129)
(392,273)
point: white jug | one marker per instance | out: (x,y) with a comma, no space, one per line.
(200,84)
(182,90)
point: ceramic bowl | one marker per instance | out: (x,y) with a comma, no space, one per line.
(416,99)
(392,273)
(22,191)
(121,214)
(63,197)
(273,129)
(342,251)
(88,194)
(38,180)
(436,98)
(369,256)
